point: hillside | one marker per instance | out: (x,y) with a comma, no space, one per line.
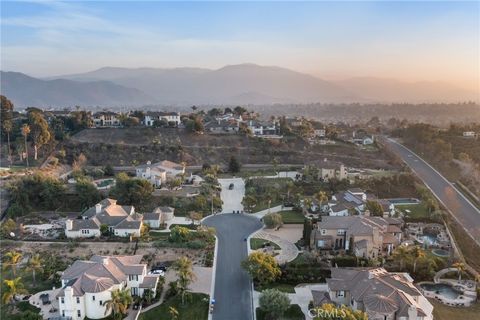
(26,91)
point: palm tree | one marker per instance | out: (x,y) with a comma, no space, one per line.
(118,304)
(25,131)
(183,267)
(401,254)
(460,266)
(173,313)
(12,259)
(35,264)
(12,288)
(321,197)
(148,296)
(7,127)
(417,253)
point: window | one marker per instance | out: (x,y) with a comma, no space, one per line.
(324,231)
(79,314)
(101,302)
(78,299)
(93,298)
(62,300)
(341,232)
(341,293)
(63,313)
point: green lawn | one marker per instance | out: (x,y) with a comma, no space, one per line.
(417,211)
(195,308)
(292,217)
(159,235)
(284,287)
(256,243)
(443,312)
(293,313)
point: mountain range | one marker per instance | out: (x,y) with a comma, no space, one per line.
(231,85)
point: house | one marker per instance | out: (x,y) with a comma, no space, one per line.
(222,126)
(362,138)
(381,294)
(319,133)
(159,172)
(352,200)
(106,119)
(171,118)
(121,221)
(331,170)
(469,134)
(88,284)
(263,128)
(364,236)
(158,216)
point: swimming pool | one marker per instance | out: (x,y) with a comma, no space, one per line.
(443,289)
(441,253)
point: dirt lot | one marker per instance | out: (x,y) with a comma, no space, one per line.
(122,146)
(84,250)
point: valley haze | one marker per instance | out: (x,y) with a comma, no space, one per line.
(242,84)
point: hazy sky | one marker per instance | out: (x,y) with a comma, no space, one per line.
(405,40)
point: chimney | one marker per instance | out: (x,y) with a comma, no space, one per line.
(69,224)
(98,208)
(105,261)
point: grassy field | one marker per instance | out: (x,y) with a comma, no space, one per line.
(443,312)
(292,217)
(256,243)
(293,313)
(195,308)
(417,211)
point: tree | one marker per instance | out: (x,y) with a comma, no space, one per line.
(274,303)
(249,202)
(273,220)
(173,312)
(118,303)
(307,231)
(321,197)
(148,296)
(460,266)
(35,264)
(12,288)
(261,267)
(25,132)
(375,208)
(108,170)
(8,227)
(233,165)
(179,234)
(88,194)
(184,270)
(132,191)
(417,253)
(195,216)
(104,231)
(12,259)
(40,130)
(401,254)
(6,116)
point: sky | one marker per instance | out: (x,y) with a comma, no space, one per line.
(407,40)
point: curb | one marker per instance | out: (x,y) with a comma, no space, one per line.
(214,273)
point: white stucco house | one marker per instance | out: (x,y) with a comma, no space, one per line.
(87,285)
(158,216)
(172,118)
(158,173)
(122,221)
(106,119)
(382,295)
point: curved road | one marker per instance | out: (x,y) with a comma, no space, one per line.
(233,287)
(460,207)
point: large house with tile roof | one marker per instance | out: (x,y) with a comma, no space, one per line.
(381,294)
(364,236)
(87,285)
(122,221)
(172,118)
(158,173)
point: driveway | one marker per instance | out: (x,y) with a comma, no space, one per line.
(232,199)
(461,208)
(233,287)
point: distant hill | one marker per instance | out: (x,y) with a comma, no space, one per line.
(244,83)
(230,85)
(26,91)
(390,90)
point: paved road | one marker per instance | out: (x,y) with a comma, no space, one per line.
(232,199)
(233,287)
(462,209)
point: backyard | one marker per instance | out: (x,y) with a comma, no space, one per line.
(292,313)
(195,308)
